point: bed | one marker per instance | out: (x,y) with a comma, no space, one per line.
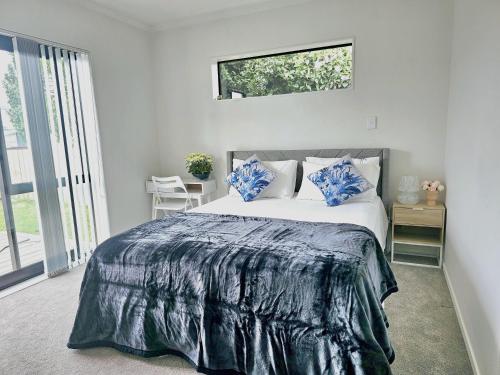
(273,286)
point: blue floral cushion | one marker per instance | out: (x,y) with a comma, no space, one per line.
(251,178)
(339,181)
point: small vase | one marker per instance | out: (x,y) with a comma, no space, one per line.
(432,197)
(201,176)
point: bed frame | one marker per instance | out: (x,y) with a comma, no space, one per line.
(300,156)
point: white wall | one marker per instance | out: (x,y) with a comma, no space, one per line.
(472,259)
(402,55)
(121,57)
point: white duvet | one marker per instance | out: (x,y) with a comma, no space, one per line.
(369,213)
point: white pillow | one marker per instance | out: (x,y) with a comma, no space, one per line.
(309,191)
(283,186)
(368,167)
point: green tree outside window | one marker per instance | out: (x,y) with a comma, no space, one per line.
(15,111)
(316,70)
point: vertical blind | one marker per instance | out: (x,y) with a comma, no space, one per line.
(67,136)
(38,135)
(68,170)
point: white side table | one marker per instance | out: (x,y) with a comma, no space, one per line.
(200,190)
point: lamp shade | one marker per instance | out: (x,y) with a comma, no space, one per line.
(409,184)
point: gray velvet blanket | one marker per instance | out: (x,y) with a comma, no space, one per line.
(241,295)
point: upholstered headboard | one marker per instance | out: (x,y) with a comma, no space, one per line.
(300,156)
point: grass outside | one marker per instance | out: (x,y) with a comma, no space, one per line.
(25,215)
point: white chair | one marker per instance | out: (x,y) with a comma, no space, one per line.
(170,194)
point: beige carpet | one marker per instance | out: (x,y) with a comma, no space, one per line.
(35,324)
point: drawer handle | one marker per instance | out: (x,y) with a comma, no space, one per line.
(417,209)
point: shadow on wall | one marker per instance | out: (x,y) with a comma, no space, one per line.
(461,278)
(401,160)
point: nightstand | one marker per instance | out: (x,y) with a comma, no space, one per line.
(200,190)
(418,234)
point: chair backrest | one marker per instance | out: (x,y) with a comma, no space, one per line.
(167,184)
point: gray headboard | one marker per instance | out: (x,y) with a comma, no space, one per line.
(300,155)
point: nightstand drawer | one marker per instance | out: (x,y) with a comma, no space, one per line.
(418,216)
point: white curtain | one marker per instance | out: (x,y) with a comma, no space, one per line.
(45,184)
(63,131)
(76,151)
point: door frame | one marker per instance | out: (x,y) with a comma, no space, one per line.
(7,190)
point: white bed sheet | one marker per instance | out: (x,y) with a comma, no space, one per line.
(369,213)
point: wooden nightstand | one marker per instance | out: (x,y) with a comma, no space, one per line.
(418,226)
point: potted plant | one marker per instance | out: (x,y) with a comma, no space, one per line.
(199,164)
(432,189)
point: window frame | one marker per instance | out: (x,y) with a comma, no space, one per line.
(216,62)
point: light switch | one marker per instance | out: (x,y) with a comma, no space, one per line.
(371,122)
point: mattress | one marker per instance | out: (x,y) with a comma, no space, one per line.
(369,213)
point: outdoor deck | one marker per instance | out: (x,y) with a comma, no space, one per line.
(30,251)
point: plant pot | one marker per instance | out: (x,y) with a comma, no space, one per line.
(432,197)
(201,176)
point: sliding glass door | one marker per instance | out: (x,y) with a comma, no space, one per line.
(21,245)
(51,182)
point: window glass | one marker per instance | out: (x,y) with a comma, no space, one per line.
(11,111)
(318,69)
(27,229)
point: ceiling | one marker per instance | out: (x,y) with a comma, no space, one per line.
(165,14)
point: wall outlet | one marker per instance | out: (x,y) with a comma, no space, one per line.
(371,122)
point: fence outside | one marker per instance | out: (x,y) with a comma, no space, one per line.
(20,164)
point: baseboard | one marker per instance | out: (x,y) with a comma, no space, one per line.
(25,284)
(461,323)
